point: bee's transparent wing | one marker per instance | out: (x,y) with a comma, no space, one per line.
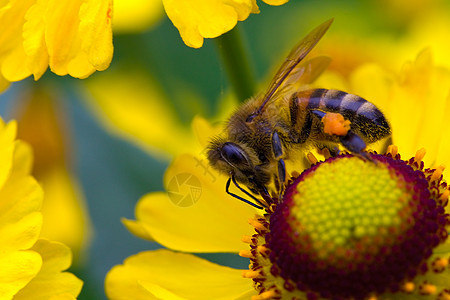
(303,74)
(288,68)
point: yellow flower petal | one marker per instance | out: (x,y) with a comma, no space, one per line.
(198,19)
(96,33)
(415,102)
(65,220)
(22,233)
(4,84)
(12,18)
(138,229)
(164,274)
(23,159)
(25,263)
(73,37)
(34,44)
(60,33)
(212,222)
(20,219)
(136,15)
(371,81)
(204,131)
(18,269)
(51,280)
(14,67)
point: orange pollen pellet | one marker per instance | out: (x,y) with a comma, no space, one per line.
(335,124)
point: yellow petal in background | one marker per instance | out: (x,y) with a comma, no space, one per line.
(135,108)
(200,19)
(52,281)
(136,15)
(163,274)
(65,214)
(416,102)
(64,210)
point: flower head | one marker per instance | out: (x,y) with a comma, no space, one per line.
(353,229)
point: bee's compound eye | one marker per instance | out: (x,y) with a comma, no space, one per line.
(233,154)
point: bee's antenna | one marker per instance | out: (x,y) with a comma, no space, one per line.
(227,189)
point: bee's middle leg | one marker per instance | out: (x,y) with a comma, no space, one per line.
(277,149)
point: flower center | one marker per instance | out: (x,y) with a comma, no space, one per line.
(349,228)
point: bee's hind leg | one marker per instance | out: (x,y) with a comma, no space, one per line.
(341,128)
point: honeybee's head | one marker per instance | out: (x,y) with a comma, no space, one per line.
(239,161)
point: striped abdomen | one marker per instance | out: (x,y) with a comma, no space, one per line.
(366,119)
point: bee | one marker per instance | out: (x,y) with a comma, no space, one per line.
(273,127)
